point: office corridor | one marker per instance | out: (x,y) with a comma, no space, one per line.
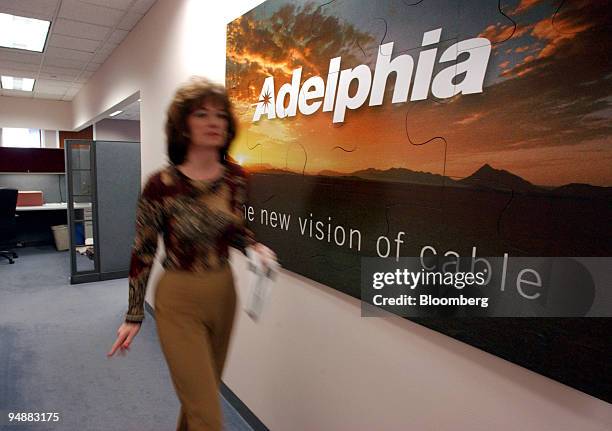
(53,342)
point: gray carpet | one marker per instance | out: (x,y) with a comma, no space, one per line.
(53,342)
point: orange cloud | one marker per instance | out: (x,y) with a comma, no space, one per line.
(470,119)
(564,30)
(292,37)
(497,33)
(525,5)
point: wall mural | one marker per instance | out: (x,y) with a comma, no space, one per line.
(478,127)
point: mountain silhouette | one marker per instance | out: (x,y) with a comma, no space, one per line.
(486,177)
(585,191)
(398,175)
(489,177)
(266,168)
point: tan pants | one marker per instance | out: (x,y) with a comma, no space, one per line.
(194,314)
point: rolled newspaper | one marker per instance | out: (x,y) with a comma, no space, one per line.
(260,284)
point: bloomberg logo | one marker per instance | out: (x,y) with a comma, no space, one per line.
(335,91)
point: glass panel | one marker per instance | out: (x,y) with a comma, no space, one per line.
(81,185)
(79,233)
(83,260)
(81,199)
(89,236)
(84,253)
(80,156)
(84,216)
(81,212)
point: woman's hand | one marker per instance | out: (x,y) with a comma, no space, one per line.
(266,255)
(125,334)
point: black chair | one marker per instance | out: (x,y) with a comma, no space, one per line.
(8,223)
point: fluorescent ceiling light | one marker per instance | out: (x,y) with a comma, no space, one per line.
(114,113)
(23,33)
(15,83)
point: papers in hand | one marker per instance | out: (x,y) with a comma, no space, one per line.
(260,284)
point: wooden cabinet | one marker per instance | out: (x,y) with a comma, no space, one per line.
(32,160)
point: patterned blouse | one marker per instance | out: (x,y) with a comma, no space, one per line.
(198,219)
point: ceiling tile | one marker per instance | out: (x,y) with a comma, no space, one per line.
(118,36)
(18,72)
(72,92)
(101,57)
(85,12)
(16,93)
(129,21)
(19,69)
(68,54)
(115,4)
(143,6)
(80,29)
(58,91)
(84,77)
(19,56)
(61,73)
(48,96)
(107,48)
(92,67)
(103,53)
(61,41)
(50,83)
(64,62)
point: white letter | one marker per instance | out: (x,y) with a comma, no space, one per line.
(456,262)
(475,67)
(292,90)
(266,95)
(520,280)
(317,83)
(363,75)
(427,247)
(422,77)
(332,80)
(402,65)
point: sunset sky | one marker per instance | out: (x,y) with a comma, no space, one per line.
(544,114)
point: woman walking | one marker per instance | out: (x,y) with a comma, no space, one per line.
(196,204)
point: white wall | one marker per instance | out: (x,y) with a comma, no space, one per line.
(51,139)
(117,130)
(35,113)
(313,363)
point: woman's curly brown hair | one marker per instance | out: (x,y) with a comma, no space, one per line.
(189,97)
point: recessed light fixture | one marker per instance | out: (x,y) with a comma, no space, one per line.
(20,32)
(15,83)
(112,114)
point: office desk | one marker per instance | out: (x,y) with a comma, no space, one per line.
(54,207)
(34,222)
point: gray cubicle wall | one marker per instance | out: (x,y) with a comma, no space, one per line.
(105,174)
(53,186)
(117,170)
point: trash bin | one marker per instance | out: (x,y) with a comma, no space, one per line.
(60,234)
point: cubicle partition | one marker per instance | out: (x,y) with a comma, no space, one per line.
(103,180)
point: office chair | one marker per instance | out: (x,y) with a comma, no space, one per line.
(8,224)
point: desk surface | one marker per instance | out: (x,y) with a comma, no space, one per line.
(55,206)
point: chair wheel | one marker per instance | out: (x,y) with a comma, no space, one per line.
(11,261)
(15,255)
